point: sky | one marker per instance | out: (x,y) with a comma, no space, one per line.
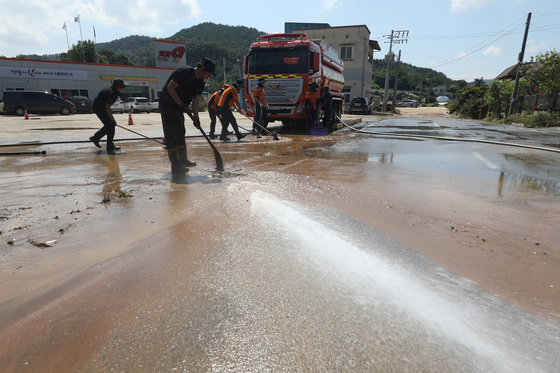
(464,39)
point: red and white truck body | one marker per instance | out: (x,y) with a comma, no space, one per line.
(289,62)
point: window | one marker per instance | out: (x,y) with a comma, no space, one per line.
(346,52)
(262,61)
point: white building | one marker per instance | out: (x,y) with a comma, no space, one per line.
(87,79)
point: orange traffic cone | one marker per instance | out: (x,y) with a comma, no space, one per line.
(130,122)
(26,115)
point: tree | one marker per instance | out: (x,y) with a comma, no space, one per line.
(479,82)
(109,57)
(544,72)
(469,101)
(498,96)
(79,51)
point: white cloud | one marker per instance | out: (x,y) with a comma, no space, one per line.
(330,4)
(460,5)
(35,26)
(146,17)
(492,51)
(536,47)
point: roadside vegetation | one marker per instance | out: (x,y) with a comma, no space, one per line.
(536,103)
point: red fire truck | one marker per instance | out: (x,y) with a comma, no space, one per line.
(289,62)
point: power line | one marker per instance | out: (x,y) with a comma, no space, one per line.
(536,28)
(505,32)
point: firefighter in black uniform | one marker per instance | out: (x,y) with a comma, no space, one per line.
(327,109)
(102,108)
(183,87)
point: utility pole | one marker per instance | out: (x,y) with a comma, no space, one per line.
(520,61)
(396,79)
(396,37)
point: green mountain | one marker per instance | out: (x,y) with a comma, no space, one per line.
(412,78)
(215,41)
(127,45)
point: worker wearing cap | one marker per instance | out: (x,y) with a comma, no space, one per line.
(311,98)
(185,85)
(213,109)
(260,106)
(229,99)
(102,108)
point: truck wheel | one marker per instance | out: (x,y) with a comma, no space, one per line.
(20,111)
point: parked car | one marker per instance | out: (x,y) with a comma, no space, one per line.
(118,106)
(17,102)
(82,103)
(137,104)
(408,103)
(155,105)
(359,105)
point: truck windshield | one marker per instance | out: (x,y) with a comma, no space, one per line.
(278,61)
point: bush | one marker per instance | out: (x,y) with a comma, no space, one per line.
(539,119)
(469,101)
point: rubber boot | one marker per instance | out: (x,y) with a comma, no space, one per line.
(182,151)
(176,164)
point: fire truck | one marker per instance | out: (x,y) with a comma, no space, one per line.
(289,62)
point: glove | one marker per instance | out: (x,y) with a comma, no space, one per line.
(196,122)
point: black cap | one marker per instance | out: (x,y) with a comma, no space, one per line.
(239,82)
(208,65)
(118,83)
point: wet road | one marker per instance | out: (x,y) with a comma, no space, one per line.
(307,254)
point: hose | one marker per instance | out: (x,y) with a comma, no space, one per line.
(79,141)
(447,138)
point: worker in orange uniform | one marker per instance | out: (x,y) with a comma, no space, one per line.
(311,98)
(260,107)
(229,99)
(213,109)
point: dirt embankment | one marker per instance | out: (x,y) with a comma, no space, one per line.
(438,111)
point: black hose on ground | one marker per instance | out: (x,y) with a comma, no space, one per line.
(81,142)
(444,138)
(24,153)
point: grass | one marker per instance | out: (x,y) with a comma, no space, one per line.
(538,119)
(124,194)
(107,197)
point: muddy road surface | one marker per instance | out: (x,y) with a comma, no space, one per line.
(347,252)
